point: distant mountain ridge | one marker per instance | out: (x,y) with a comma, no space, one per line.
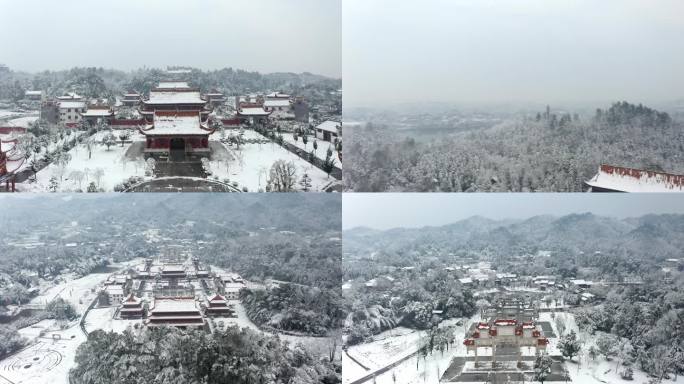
(656,236)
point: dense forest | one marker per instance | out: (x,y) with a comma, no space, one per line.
(543,152)
(642,325)
(170,356)
(410,302)
(307,257)
(107,83)
(294,307)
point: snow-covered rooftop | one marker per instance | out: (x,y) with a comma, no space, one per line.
(173,84)
(114,289)
(278,95)
(176,123)
(173,268)
(277,103)
(217,299)
(71,104)
(234,286)
(174,305)
(97,112)
(635,180)
(171,97)
(70,96)
(253,111)
(329,125)
(34,93)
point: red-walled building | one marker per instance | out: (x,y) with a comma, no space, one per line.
(179,312)
(131,308)
(176,120)
(218,306)
(11,159)
(181,131)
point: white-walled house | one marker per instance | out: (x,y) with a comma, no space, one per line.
(329,130)
(70,111)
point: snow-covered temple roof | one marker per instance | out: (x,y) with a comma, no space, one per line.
(97,112)
(278,95)
(175,97)
(10,155)
(176,123)
(166,305)
(253,111)
(70,96)
(622,179)
(173,84)
(277,103)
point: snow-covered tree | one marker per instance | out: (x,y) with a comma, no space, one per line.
(108,140)
(569,345)
(150,166)
(54,184)
(305,182)
(542,367)
(282,177)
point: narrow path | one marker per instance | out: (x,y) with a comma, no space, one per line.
(318,163)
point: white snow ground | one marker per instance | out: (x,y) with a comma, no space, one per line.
(252,162)
(377,354)
(114,165)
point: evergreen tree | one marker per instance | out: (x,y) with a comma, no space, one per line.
(569,345)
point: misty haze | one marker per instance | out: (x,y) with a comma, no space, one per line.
(514,96)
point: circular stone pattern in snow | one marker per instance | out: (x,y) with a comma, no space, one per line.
(32,361)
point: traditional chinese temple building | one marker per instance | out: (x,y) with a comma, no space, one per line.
(95,113)
(11,160)
(177,131)
(176,121)
(510,323)
(179,312)
(218,306)
(173,271)
(215,98)
(622,179)
(131,99)
(253,113)
(131,308)
(174,96)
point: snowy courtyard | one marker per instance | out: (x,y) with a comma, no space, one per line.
(246,167)
(106,167)
(250,164)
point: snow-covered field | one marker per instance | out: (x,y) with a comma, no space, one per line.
(6,115)
(111,165)
(47,361)
(250,165)
(22,121)
(391,346)
(103,318)
(79,292)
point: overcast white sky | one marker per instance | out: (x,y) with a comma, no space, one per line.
(512,51)
(262,35)
(392,210)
